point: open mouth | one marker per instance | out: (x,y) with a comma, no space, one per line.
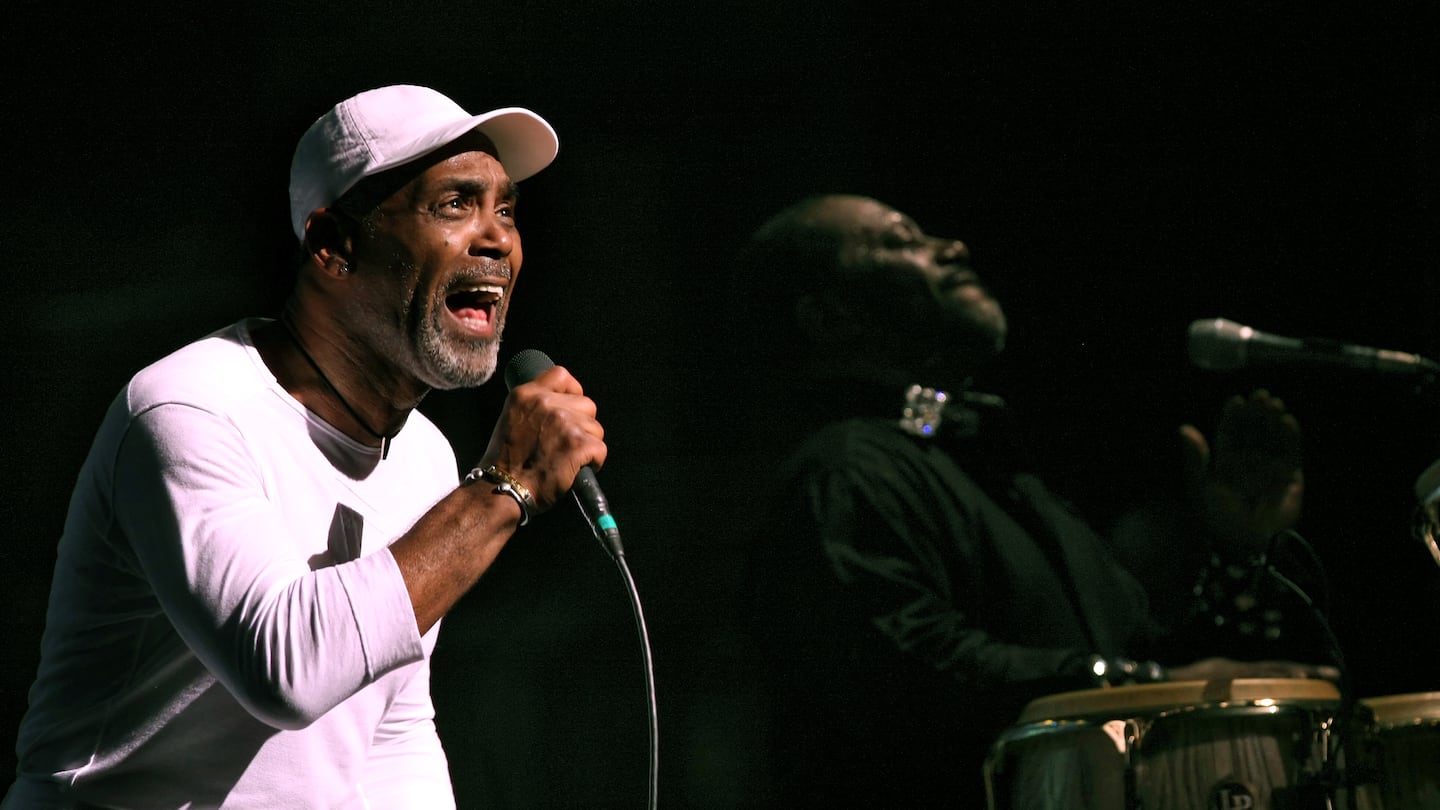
(474,306)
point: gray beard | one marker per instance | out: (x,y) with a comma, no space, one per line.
(451,364)
(439,361)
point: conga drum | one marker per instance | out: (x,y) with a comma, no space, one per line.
(1404,744)
(1186,745)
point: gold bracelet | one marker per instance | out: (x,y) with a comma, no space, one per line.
(506,484)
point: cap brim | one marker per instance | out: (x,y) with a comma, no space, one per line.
(526,143)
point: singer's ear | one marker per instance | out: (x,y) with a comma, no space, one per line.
(327,240)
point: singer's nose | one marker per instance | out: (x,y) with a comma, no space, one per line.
(493,237)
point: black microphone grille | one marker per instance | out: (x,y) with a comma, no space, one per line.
(525,366)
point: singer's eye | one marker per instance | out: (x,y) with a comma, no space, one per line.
(457,207)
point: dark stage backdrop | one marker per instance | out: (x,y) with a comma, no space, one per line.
(1119,169)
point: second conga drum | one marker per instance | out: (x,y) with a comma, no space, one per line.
(1405,747)
(1189,745)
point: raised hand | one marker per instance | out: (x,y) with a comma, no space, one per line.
(1251,484)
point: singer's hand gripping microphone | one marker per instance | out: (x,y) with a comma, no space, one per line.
(524,367)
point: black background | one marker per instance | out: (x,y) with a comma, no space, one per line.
(1119,170)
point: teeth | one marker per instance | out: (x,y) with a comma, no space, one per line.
(482,290)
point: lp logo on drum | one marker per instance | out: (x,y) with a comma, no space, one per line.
(1232,796)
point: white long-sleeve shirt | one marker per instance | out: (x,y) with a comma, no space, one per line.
(226,626)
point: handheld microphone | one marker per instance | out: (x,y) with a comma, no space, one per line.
(1221,345)
(524,367)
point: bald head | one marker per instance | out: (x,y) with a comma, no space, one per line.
(859,290)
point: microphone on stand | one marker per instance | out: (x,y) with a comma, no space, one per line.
(1218,344)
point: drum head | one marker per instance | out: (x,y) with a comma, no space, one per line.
(1122,701)
(1403,710)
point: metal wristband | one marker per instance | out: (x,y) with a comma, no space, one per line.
(1099,670)
(506,484)
(1121,671)
(1151,672)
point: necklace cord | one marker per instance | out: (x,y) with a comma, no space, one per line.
(385,439)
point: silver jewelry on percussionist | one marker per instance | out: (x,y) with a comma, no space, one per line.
(506,484)
(922,412)
(1122,671)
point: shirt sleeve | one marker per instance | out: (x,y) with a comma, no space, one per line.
(877,569)
(288,642)
(913,573)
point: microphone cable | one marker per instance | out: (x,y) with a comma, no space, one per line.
(652,708)
(1344,740)
(526,365)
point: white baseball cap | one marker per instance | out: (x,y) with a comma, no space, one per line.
(389,126)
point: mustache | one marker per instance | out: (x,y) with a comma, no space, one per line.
(484,270)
